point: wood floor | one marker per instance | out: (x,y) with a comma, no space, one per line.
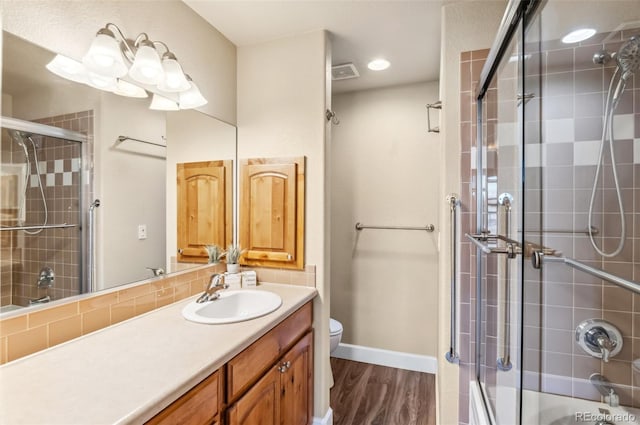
(365,394)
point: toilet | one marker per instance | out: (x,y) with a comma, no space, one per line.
(335,335)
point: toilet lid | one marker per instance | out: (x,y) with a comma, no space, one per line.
(335,327)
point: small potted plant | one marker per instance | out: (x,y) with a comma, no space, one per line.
(233,256)
(215,253)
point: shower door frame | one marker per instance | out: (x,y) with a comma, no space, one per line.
(517,16)
(85,181)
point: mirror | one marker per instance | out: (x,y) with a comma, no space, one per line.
(128,163)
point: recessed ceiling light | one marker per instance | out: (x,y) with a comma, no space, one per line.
(378,64)
(578,35)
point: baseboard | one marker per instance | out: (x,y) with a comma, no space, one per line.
(327,420)
(389,358)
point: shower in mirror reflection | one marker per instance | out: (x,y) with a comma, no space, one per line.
(22,139)
(628,61)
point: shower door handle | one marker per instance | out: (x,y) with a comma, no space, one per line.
(504,361)
(452,354)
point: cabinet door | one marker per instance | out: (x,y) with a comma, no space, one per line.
(204,208)
(272,212)
(260,405)
(297,383)
(199,406)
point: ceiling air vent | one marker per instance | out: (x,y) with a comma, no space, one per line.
(344,72)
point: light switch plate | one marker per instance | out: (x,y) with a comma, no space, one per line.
(142,231)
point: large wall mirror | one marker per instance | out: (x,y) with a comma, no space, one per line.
(128,162)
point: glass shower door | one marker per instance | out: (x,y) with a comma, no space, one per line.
(574,188)
(499,235)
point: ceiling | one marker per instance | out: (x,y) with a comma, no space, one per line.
(407,33)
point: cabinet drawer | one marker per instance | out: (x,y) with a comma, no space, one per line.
(199,406)
(245,368)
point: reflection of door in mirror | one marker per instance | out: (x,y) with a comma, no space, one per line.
(272,212)
(205,208)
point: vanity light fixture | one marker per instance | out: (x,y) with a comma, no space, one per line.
(112,56)
(68,68)
(125,88)
(578,35)
(378,64)
(161,103)
(191,98)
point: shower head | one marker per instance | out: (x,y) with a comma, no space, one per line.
(18,136)
(628,57)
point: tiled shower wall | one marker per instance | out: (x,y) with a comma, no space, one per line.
(561,157)
(24,255)
(563,128)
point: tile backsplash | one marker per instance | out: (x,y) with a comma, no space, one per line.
(22,334)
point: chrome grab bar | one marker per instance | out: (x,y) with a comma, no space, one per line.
(91,244)
(504,362)
(452,354)
(630,285)
(36,227)
(427,228)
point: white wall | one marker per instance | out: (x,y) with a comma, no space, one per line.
(129,181)
(192,136)
(68,27)
(385,171)
(469,25)
(282,96)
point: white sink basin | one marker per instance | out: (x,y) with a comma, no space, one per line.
(233,306)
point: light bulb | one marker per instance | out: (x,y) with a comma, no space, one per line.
(161,103)
(104,56)
(174,79)
(191,98)
(68,68)
(146,68)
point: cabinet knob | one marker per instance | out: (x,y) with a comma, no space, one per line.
(180,251)
(284,366)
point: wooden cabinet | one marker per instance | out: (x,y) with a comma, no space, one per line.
(205,208)
(272,212)
(260,405)
(283,395)
(199,406)
(296,383)
(269,383)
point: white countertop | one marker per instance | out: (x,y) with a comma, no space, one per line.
(128,372)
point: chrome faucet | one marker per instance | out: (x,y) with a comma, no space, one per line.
(215,285)
(598,338)
(605,388)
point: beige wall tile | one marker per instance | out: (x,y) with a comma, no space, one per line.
(122,311)
(24,343)
(197,287)
(13,325)
(145,303)
(52,314)
(164,297)
(65,330)
(134,292)
(181,292)
(98,302)
(3,350)
(96,319)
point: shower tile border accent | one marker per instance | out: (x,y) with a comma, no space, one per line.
(22,334)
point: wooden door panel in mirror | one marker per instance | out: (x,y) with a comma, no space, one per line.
(205,208)
(272,212)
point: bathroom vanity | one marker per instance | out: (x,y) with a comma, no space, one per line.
(160,368)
